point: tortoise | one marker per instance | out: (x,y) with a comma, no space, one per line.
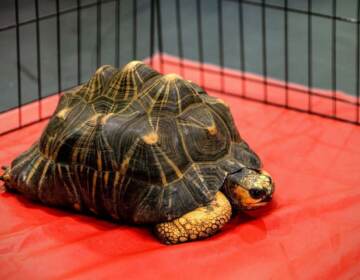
(140,147)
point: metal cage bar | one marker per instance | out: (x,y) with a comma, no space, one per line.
(38,59)
(58,45)
(241,44)
(18,62)
(200,40)
(310,55)
(286,54)
(357,71)
(78,30)
(333,58)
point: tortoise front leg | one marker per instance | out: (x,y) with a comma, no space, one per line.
(197,224)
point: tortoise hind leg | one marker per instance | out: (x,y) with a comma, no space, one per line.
(197,224)
(5,177)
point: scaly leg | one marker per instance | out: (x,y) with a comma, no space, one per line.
(6,174)
(5,177)
(197,224)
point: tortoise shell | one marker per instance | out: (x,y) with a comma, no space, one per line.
(134,145)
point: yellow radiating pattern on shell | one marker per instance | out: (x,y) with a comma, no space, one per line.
(151,138)
(63,113)
(171,77)
(212,129)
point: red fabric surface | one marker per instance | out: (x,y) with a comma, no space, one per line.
(310,232)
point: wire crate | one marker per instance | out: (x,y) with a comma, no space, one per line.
(302,55)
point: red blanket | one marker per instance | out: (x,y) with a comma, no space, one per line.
(312,230)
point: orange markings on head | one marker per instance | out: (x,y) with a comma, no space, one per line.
(242,195)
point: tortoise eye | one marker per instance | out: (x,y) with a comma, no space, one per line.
(257,193)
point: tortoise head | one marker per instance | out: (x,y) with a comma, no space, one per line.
(249,189)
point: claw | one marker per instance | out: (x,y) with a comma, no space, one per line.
(2,186)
